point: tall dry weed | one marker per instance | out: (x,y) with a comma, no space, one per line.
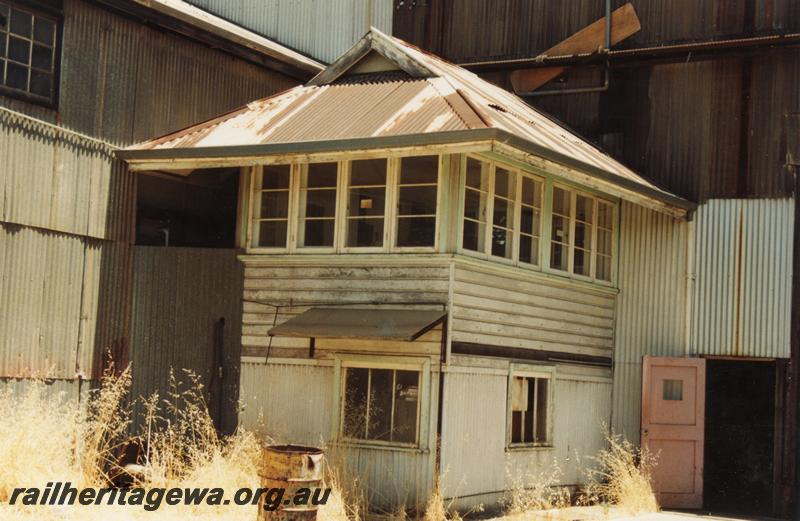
(532,491)
(623,477)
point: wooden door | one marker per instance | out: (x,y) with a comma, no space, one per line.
(673,412)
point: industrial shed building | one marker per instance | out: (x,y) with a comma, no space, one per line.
(432,271)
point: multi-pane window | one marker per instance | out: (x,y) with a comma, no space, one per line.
(317,205)
(366,203)
(530,225)
(476,199)
(581,238)
(381,405)
(28,52)
(505,185)
(530,406)
(416,201)
(271,207)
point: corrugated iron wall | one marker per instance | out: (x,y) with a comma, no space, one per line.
(734,300)
(651,305)
(477,467)
(290,401)
(179,297)
(743,278)
(67,206)
(320,29)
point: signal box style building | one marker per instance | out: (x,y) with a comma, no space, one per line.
(436,275)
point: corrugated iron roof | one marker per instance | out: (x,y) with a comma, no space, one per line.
(426,95)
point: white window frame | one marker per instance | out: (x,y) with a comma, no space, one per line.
(596,200)
(250,206)
(531,371)
(420,364)
(517,212)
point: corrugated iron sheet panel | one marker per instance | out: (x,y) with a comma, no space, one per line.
(471,423)
(743,278)
(651,305)
(112,65)
(321,29)
(61,181)
(64,300)
(179,296)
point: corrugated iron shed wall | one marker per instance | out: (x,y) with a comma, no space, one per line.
(651,306)
(180,294)
(473,30)
(67,207)
(322,29)
(743,278)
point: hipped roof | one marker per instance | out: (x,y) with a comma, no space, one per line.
(358,102)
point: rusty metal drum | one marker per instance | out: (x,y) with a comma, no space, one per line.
(289,467)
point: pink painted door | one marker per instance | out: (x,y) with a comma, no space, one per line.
(673,412)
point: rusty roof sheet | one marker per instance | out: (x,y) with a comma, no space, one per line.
(335,106)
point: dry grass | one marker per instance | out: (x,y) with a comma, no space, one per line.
(535,491)
(46,438)
(623,477)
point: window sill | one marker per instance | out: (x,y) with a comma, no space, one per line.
(526,447)
(361,445)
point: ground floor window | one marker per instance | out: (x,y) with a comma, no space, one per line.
(382,401)
(529,407)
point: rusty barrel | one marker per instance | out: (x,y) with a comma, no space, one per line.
(289,467)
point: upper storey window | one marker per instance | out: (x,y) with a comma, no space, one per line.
(359,205)
(504,218)
(28,52)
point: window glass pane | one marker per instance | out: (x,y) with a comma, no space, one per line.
(320,203)
(416,231)
(475,205)
(529,249)
(603,269)
(44,31)
(379,426)
(531,192)
(503,213)
(529,221)
(19,50)
(16,76)
(367,172)
(21,23)
(274,204)
(3,17)
(583,208)
(474,235)
(581,263)
(3,39)
(477,174)
(322,175)
(417,200)
(501,242)
(354,421)
(605,215)
(364,232)
(530,412)
(604,241)
(558,257)
(367,201)
(560,231)
(271,234)
(419,170)
(561,201)
(542,387)
(504,183)
(40,83)
(583,235)
(318,232)
(275,176)
(672,390)
(405,406)
(42,57)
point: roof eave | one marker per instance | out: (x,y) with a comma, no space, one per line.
(245,155)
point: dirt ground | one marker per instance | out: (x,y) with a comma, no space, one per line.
(599,513)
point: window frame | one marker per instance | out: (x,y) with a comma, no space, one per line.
(407,363)
(519,174)
(548,182)
(341,219)
(38,9)
(574,192)
(531,371)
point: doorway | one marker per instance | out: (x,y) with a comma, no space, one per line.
(738,470)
